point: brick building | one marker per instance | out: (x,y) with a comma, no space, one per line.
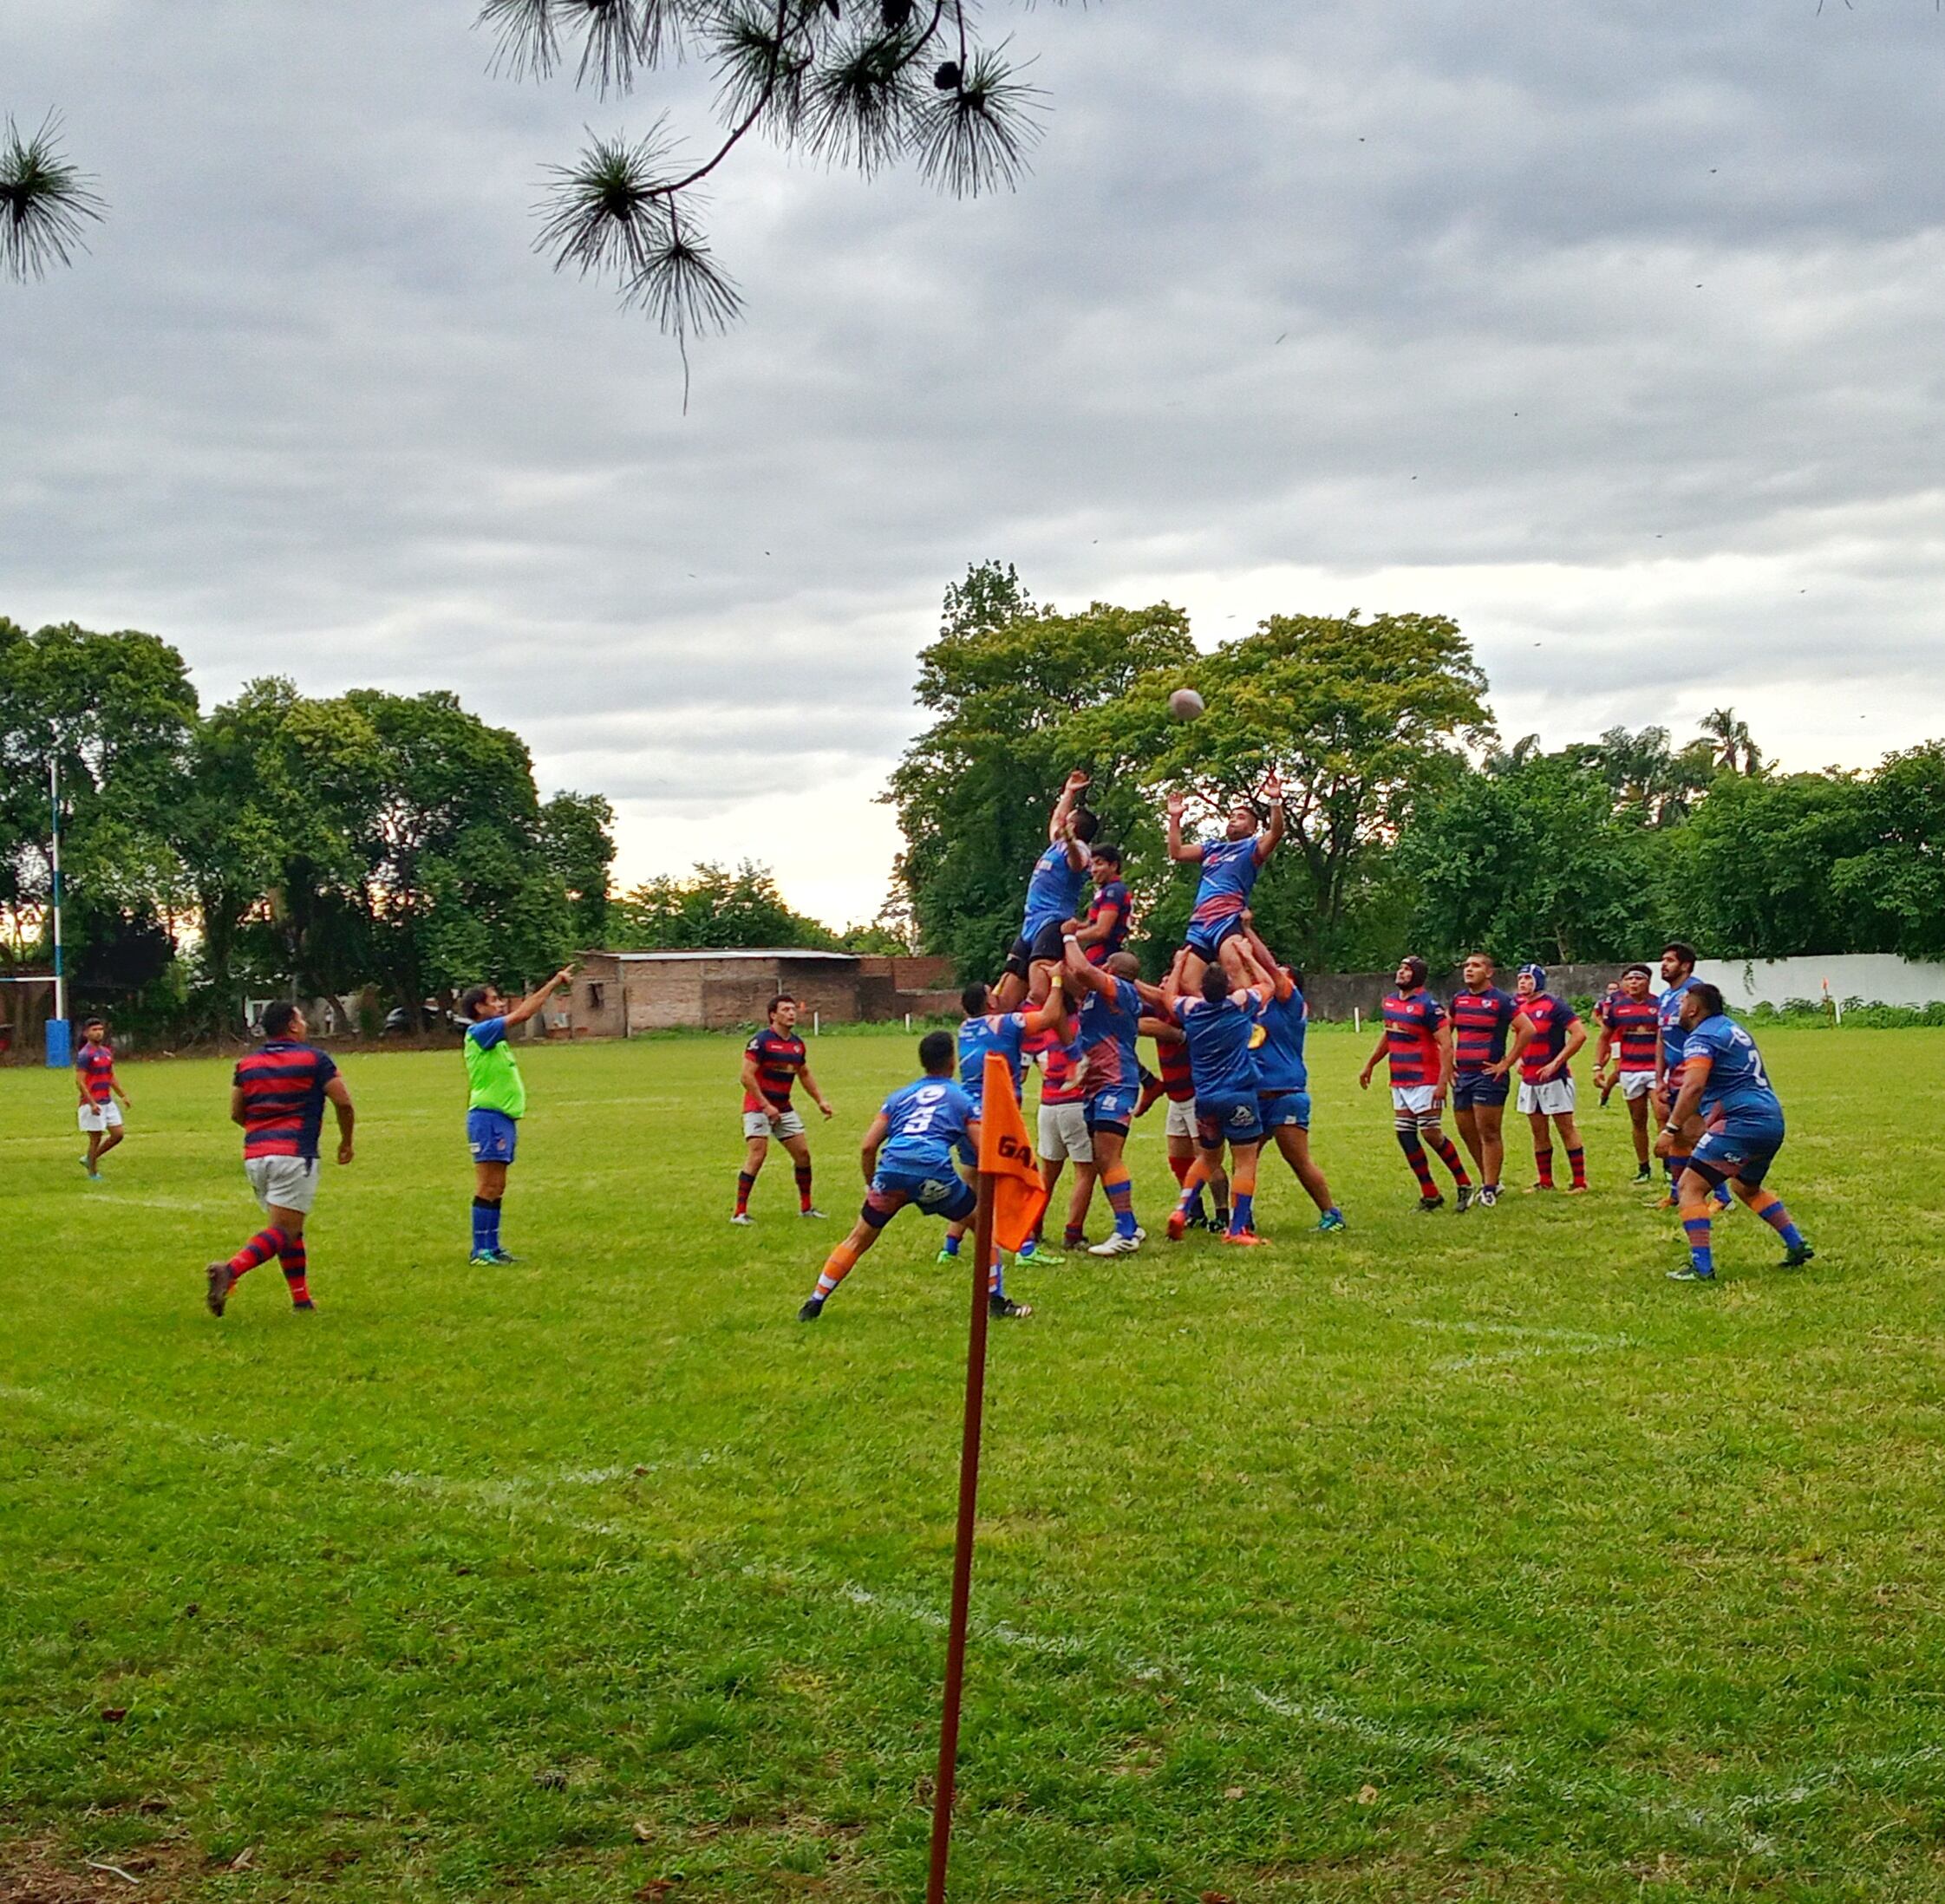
(617,994)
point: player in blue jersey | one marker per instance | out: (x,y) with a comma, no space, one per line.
(1728,1122)
(1112,998)
(1052,898)
(1283,1075)
(1229,869)
(1220,1025)
(910,1155)
(1678,979)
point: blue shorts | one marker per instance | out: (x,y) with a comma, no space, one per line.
(1282,1107)
(1111,1108)
(492,1136)
(1205,937)
(1743,1148)
(1227,1120)
(1474,1087)
(952,1197)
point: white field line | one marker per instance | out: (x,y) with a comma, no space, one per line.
(1535,1344)
(532,1493)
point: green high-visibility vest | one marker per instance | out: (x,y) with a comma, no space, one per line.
(493,1070)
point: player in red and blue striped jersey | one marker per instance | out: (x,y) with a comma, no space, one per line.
(774,1060)
(1229,870)
(1416,1040)
(1546,1078)
(1487,1033)
(1728,1120)
(278,1095)
(100,1116)
(1110,912)
(1630,1024)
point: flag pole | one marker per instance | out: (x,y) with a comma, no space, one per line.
(962,1546)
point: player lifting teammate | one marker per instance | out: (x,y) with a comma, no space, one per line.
(1417,1041)
(1728,1121)
(1230,866)
(1110,1024)
(773,1061)
(1283,1076)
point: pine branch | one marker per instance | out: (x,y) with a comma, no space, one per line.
(46,203)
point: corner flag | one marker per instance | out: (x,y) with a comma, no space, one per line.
(1005,1155)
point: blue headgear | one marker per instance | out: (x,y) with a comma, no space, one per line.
(1537,973)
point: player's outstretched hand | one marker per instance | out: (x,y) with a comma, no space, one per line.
(1077,779)
(1177,804)
(344,1151)
(1273,787)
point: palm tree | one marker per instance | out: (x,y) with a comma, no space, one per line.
(45,203)
(1730,742)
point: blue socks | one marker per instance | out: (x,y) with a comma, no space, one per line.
(951,1245)
(485,1226)
(1242,1216)
(1700,1255)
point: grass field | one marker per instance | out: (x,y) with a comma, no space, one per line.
(1450,1558)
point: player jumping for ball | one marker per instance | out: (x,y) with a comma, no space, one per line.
(1053,899)
(496,1101)
(774,1061)
(1230,866)
(278,1095)
(1728,1121)
(910,1156)
(100,1116)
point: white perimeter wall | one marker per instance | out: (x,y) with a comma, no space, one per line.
(1878,978)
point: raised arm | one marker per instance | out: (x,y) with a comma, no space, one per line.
(1047,1016)
(1274,976)
(519,1014)
(1273,838)
(1063,812)
(1188,851)
(1084,976)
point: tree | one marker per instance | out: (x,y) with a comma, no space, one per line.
(1008,685)
(1649,778)
(1730,741)
(1532,861)
(577,835)
(1895,869)
(46,202)
(878,84)
(714,907)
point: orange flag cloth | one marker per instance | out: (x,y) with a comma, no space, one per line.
(1007,1156)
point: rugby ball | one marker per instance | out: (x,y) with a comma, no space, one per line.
(1184,704)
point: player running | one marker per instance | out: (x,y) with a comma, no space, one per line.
(773,1061)
(1631,1026)
(1230,866)
(1283,1076)
(1417,1041)
(1220,1025)
(496,1101)
(1728,1121)
(278,1095)
(1546,1082)
(100,1117)
(1482,1017)
(1110,1023)
(1052,898)
(909,1156)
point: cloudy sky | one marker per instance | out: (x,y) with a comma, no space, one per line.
(1612,330)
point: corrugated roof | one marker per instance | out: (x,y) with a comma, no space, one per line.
(727,952)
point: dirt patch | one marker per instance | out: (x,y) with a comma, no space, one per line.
(39,1871)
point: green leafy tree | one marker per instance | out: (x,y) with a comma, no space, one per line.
(1532,861)
(1894,870)
(578,836)
(716,907)
(1008,685)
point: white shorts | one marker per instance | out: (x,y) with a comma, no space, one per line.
(1181,1119)
(100,1117)
(756,1123)
(1636,1084)
(290,1182)
(1414,1099)
(1064,1133)
(1555,1098)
